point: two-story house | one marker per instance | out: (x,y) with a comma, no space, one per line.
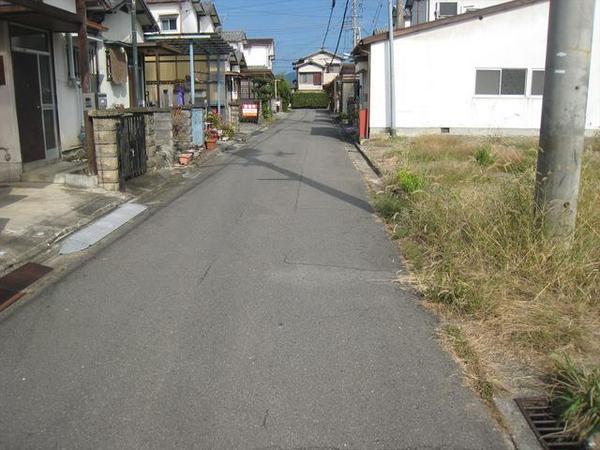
(41,97)
(193,69)
(316,70)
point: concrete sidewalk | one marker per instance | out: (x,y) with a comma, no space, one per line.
(35,215)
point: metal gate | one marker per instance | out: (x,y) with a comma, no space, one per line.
(131,140)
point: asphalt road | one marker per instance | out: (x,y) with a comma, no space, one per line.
(257,310)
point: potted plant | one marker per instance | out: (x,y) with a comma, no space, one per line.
(211,139)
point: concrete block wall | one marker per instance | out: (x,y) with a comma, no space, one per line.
(163,136)
(107,157)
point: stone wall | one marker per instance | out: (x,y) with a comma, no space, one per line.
(168,132)
(105,145)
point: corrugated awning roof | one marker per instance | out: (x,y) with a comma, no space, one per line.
(204,43)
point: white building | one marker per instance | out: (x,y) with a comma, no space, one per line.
(317,70)
(419,11)
(185,16)
(259,53)
(478,72)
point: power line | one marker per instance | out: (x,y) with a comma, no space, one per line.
(328,23)
(337,46)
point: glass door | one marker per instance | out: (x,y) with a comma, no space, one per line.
(34,91)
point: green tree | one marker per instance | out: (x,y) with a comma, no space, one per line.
(264,91)
(284,90)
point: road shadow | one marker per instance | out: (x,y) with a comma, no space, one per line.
(250,156)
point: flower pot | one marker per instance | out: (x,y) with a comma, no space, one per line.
(185,158)
(211,144)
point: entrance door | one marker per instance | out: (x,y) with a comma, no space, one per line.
(29,105)
(34,92)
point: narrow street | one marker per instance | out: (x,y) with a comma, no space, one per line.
(255,311)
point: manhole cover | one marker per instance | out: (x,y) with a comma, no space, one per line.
(548,428)
(12,284)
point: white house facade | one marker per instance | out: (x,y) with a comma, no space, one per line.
(317,70)
(476,73)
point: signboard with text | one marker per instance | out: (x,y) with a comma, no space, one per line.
(249,110)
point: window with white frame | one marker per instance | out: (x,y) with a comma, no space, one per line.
(500,81)
(168,23)
(537,82)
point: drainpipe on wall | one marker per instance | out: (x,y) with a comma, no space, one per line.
(391,62)
(134,49)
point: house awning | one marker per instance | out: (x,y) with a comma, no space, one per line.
(40,15)
(204,43)
(258,72)
(160,48)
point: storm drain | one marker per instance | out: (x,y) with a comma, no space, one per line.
(548,428)
(13,283)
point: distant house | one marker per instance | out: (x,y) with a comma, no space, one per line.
(479,72)
(316,70)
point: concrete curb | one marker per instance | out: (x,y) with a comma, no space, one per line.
(368,160)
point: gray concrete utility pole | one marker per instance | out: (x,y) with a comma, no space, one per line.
(392,86)
(399,14)
(570,31)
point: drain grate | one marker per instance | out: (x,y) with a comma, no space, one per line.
(13,283)
(548,428)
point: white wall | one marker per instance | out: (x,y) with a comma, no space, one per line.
(206,25)
(119,27)
(9,128)
(435,75)
(68,5)
(258,55)
(186,15)
(68,96)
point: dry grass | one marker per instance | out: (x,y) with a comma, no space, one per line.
(470,238)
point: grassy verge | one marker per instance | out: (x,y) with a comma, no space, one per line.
(462,211)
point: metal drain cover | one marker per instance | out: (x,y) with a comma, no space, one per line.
(13,283)
(548,428)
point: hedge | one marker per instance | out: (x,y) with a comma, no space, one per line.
(310,100)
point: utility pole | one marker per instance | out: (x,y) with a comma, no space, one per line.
(392,92)
(570,31)
(134,50)
(355,23)
(352,25)
(399,14)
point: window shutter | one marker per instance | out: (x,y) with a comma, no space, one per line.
(317,79)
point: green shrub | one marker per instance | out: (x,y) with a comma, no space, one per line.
(310,100)
(409,182)
(576,395)
(484,156)
(388,204)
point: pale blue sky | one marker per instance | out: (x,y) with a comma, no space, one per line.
(298,26)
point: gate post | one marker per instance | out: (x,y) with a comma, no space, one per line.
(105,141)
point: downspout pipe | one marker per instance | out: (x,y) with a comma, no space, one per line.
(134,49)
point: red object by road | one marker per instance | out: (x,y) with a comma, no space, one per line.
(363,123)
